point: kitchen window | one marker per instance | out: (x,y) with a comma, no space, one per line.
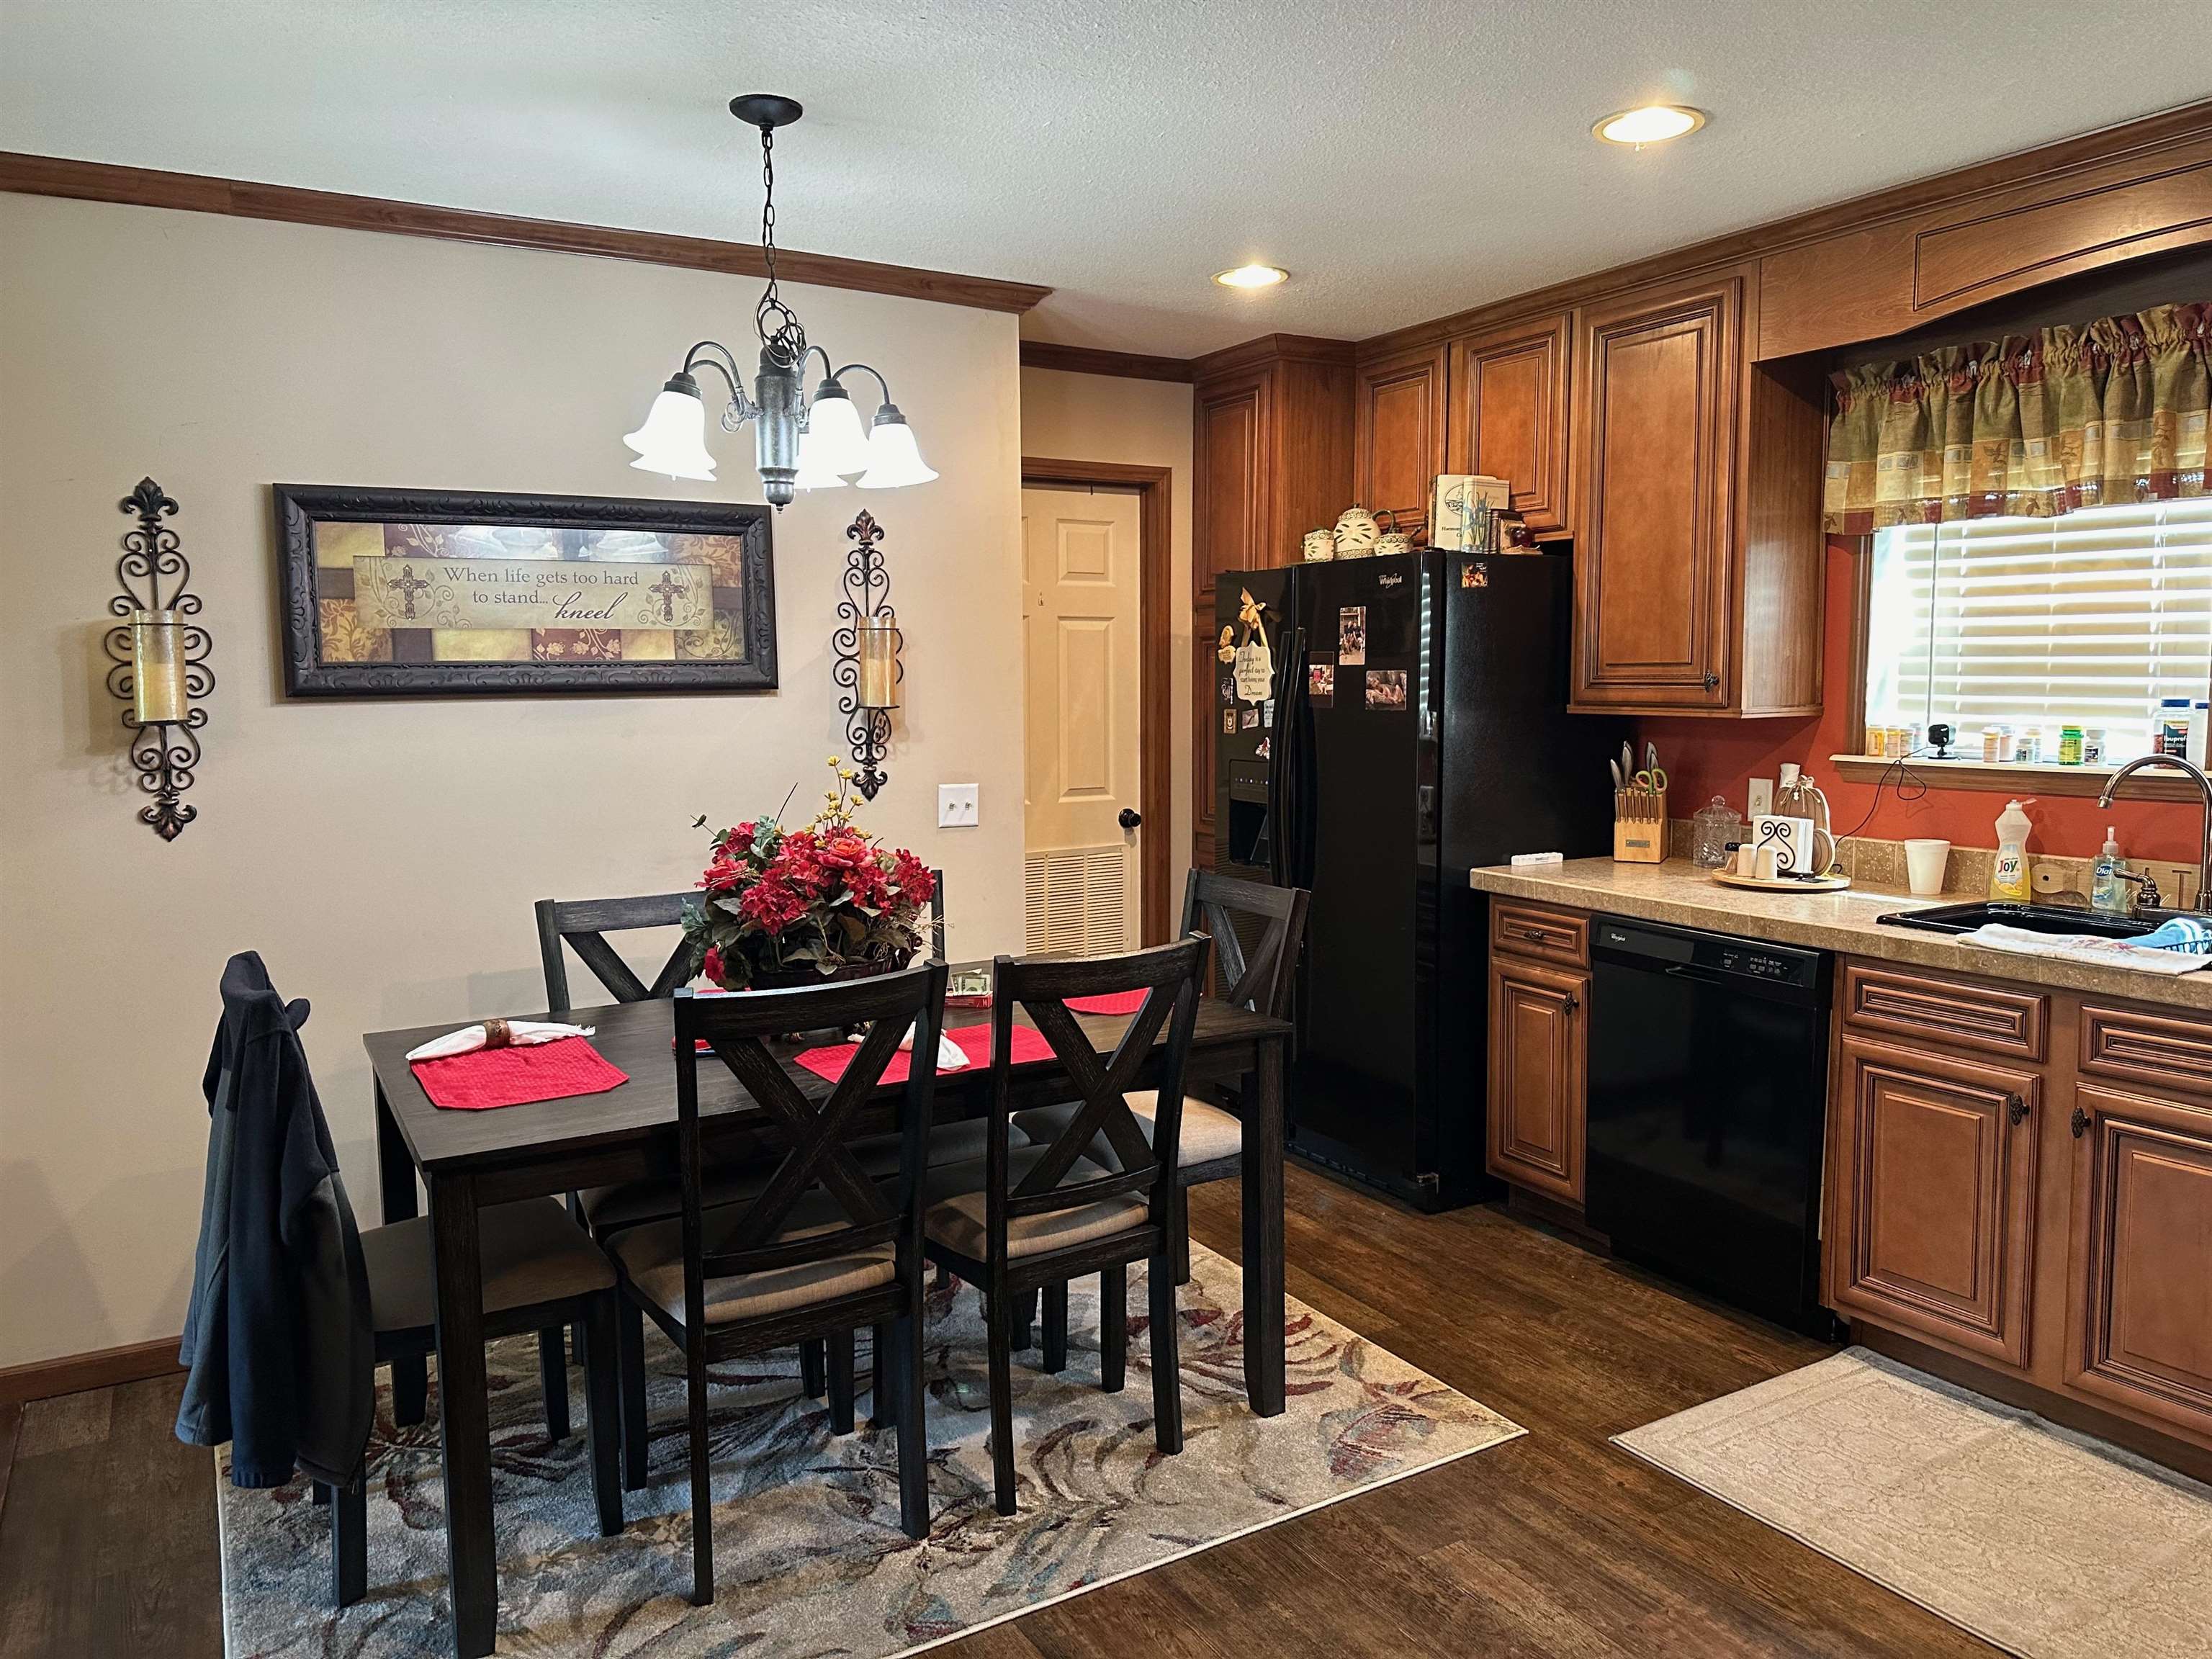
(2086,619)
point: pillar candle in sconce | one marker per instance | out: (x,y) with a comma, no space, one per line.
(879,665)
(157,666)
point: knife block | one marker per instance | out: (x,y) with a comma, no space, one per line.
(1639,826)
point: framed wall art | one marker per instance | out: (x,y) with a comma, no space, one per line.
(401,592)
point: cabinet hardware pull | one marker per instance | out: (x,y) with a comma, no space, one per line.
(2016,1109)
(1534,935)
(1712,681)
(1570,1005)
(2079,1123)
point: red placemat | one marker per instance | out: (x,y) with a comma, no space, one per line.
(515,1077)
(1117,1002)
(973,1041)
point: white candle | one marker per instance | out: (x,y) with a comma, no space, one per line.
(157,667)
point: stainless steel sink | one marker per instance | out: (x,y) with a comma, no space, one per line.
(2036,918)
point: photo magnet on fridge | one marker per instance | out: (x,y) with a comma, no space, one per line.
(1475,575)
(1320,684)
(1249,719)
(1386,688)
(1229,721)
(1351,635)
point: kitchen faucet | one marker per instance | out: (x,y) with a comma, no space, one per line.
(2203,785)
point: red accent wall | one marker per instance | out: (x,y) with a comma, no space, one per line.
(1706,758)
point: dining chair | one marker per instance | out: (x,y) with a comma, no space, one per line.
(824,1248)
(1260,978)
(1030,1217)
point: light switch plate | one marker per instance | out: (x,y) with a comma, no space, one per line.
(957,806)
(1762,798)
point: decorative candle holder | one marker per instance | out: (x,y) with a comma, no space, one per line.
(160,655)
(866,648)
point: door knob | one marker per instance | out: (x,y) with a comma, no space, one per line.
(1131,817)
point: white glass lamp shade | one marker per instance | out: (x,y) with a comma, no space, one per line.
(674,439)
(894,457)
(812,474)
(840,445)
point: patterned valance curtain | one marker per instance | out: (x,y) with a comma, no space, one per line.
(2031,426)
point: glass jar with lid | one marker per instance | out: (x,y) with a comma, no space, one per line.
(1711,829)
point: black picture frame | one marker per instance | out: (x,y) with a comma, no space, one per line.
(300,508)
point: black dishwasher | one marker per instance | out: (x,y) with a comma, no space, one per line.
(1708,1089)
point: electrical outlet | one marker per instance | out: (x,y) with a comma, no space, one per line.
(1762,797)
(956,806)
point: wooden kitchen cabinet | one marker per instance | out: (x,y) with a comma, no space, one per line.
(1508,415)
(1538,1103)
(1695,503)
(2139,1263)
(1398,424)
(1932,1212)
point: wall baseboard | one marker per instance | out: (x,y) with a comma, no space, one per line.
(73,1373)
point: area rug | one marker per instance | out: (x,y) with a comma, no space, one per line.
(809,1557)
(2044,1542)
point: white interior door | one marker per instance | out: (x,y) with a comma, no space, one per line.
(1080,610)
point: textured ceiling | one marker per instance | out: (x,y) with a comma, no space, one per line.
(1402,161)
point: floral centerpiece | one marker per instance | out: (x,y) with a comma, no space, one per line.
(778,907)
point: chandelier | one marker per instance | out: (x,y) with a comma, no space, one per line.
(798,445)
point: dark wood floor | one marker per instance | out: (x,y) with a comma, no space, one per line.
(1555,1543)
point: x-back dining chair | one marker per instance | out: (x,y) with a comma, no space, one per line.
(1027,1217)
(824,1247)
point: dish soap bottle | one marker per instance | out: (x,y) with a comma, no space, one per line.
(2008,877)
(2109,895)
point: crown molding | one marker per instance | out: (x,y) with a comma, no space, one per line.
(1089,360)
(192,192)
(1273,348)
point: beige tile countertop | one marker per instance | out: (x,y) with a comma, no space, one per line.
(1679,892)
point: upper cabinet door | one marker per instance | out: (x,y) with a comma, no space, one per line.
(1399,434)
(1656,411)
(1509,415)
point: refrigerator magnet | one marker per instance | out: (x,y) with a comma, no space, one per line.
(1351,635)
(1263,751)
(1386,688)
(1320,684)
(1267,714)
(1229,722)
(1228,690)
(1249,719)
(1475,575)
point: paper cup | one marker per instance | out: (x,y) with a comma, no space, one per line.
(1923,867)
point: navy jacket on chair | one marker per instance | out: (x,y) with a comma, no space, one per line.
(278,1343)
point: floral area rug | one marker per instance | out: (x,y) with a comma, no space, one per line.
(809,1557)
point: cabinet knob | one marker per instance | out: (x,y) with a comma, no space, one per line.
(1534,935)
(2079,1123)
(1570,1004)
(1712,681)
(2016,1109)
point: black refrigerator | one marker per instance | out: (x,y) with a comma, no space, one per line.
(1383,725)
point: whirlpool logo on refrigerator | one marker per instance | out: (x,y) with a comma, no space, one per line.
(1389,578)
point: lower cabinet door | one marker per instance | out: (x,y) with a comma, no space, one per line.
(1536,1072)
(1932,1196)
(2139,1303)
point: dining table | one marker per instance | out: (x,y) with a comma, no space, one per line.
(467,1159)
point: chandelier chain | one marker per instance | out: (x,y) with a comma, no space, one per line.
(780,335)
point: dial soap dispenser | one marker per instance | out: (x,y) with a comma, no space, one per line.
(2008,876)
(2109,894)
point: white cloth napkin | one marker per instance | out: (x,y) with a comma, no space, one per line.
(521,1034)
(2077,947)
(950,1057)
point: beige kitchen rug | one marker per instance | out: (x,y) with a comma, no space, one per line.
(809,1558)
(2046,1542)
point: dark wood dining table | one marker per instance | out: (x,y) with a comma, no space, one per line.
(469,1159)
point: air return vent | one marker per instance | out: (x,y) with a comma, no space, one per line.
(1076,900)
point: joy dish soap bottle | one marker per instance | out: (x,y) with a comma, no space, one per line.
(2008,876)
(2109,894)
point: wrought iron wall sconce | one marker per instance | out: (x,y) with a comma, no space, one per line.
(866,645)
(161,671)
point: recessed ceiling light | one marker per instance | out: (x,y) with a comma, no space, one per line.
(1252,276)
(1654,124)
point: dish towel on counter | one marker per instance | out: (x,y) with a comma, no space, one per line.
(2151,954)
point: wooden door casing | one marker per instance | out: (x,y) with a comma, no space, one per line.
(1228,467)
(1538,1103)
(1931,1196)
(1399,435)
(1509,415)
(1655,417)
(2139,1263)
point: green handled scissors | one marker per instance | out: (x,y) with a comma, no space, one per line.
(1654,779)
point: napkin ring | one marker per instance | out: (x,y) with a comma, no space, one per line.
(497,1034)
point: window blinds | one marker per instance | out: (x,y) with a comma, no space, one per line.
(2087,619)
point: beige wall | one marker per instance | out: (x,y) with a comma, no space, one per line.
(1098,417)
(383,856)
